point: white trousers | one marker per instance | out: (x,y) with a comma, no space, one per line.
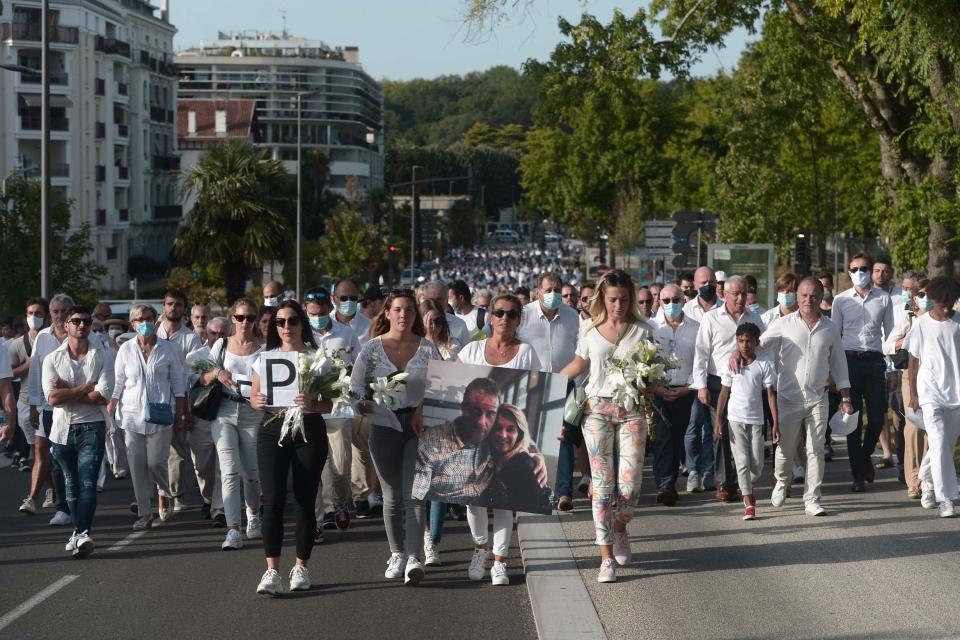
(116,452)
(23,419)
(943,428)
(502,528)
(148,465)
(746,445)
(809,423)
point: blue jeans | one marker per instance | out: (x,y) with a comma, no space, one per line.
(80,460)
(669,440)
(868,387)
(438,511)
(565,463)
(56,473)
(698,441)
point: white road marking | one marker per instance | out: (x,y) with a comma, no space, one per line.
(126,541)
(35,600)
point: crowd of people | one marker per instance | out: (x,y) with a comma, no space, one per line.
(86,394)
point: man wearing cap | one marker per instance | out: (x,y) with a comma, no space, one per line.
(721,279)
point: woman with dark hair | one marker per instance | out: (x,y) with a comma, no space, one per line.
(514,479)
(303,453)
(264,320)
(397,344)
(437,328)
(615,437)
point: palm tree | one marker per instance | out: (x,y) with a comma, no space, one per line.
(239,219)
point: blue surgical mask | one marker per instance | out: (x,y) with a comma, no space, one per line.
(146,329)
(551,300)
(319,323)
(756,308)
(347,308)
(786,299)
(672,310)
(906,297)
(924,303)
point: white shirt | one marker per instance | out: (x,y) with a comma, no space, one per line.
(239,367)
(596,349)
(746,388)
(863,322)
(459,333)
(185,339)
(470,319)
(6,371)
(716,341)
(770,316)
(45,344)
(806,358)
(692,308)
(937,345)
(900,332)
(359,324)
(92,367)
(555,341)
(679,342)
(526,357)
(165,380)
(339,337)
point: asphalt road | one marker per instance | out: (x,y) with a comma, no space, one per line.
(174,581)
(877,567)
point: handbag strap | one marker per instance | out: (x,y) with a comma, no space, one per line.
(143,370)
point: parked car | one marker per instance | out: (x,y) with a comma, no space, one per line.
(505,236)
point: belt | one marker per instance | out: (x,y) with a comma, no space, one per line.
(864,355)
(232,396)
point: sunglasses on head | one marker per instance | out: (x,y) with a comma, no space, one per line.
(860,269)
(81,321)
(348,298)
(293,321)
(513,314)
(239,317)
(318,296)
(673,300)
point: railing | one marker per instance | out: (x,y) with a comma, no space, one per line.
(123,173)
(55,78)
(166,163)
(101,173)
(122,88)
(99,86)
(100,130)
(168,212)
(31,32)
(112,46)
(57,170)
(31,122)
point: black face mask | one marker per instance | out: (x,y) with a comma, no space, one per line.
(708,292)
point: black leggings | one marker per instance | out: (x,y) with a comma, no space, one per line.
(275,462)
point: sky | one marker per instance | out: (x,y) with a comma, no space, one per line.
(405,39)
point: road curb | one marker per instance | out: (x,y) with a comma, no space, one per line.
(562,607)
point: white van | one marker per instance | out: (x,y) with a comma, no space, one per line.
(505,236)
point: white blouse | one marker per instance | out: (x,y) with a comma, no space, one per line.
(596,349)
(414,389)
(165,380)
(525,359)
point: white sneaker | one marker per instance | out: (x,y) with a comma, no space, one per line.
(779,495)
(693,482)
(254,529)
(48,502)
(299,578)
(477,564)
(233,541)
(180,505)
(498,574)
(431,554)
(927,498)
(621,548)
(60,519)
(413,572)
(608,571)
(72,542)
(814,508)
(395,566)
(28,506)
(946,509)
(270,583)
(83,545)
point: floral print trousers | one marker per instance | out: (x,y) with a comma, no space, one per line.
(615,442)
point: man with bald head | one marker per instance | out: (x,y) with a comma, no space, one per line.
(677,336)
(346,310)
(705,282)
(272,293)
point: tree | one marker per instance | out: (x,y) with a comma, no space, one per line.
(200,283)
(239,220)
(74,267)
(351,245)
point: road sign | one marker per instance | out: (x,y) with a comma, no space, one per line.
(660,243)
(658,228)
(654,253)
(746,259)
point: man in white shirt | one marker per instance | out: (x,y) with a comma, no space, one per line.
(20,350)
(551,328)
(716,342)
(199,317)
(77,381)
(459,300)
(864,315)
(346,300)
(807,349)
(645,302)
(704,287)
(459,333)
(677,336)
(569,295)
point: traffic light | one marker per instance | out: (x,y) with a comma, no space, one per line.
(393,248)
(692,231)
(801,256)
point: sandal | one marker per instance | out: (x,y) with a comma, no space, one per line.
(886,463)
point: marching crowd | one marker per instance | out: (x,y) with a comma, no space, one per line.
(86,394)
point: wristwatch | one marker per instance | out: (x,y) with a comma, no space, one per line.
(846,399)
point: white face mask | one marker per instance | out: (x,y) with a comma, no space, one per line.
(34,322)
(113,332)
(271,302)
(860,279)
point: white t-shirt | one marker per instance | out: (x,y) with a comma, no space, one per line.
(525,359)
(6,371)
(596,349)
(937,345)
(241,368)
(747,388)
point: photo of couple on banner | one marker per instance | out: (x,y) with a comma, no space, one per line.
(490,437)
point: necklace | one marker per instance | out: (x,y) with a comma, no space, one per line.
(500,352)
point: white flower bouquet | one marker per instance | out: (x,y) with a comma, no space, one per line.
(323,376)
(387,391)
(636,374)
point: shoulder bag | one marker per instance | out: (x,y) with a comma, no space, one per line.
(205,399)
(160,413)
(577,398)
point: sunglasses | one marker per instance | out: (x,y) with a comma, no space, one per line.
(348,298)
(293,321)
(244,318)
(317,295)
(513,314)
(436,323)
(644,301)
(80,321)
(673,300)
(860,269)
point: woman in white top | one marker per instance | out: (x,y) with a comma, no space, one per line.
(234,430)
(397,344)
(934,372)
(609,428)
(502,349)
(437,328)
(914,439)
(148,374)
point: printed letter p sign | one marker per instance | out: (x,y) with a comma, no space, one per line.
(279,377)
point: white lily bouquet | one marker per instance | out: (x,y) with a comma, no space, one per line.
(388,391)
(202,365)
(636,374)
(322,375)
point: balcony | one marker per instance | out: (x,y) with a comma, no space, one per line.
(99,87)
(169,69)
(166,163)
(101,217)
(123,214)
(101,173)
(123,131)
(123,173)
(168,212)
(55,78)
(100,130)
(158,114)
(112,46)
(122,88)
(57,170)
(31,32)
(31,122)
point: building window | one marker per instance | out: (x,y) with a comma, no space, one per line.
(221,122)
(111,253)
(192,122)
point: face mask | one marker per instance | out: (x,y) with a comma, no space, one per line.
(827,295)
(347,308)
(756,308)
(905,297)
(551,300)
(113,332)
(708,292)
(319,323)
(924,303)
(146,329)
(672,309)
(271,302)
(34,322)
(860,279)
(786,299)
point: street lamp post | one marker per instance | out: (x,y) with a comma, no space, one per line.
(300,96)
(45,150)
(413,219)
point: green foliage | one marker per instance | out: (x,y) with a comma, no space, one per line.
(74,268)
(208,285)
(349,246)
